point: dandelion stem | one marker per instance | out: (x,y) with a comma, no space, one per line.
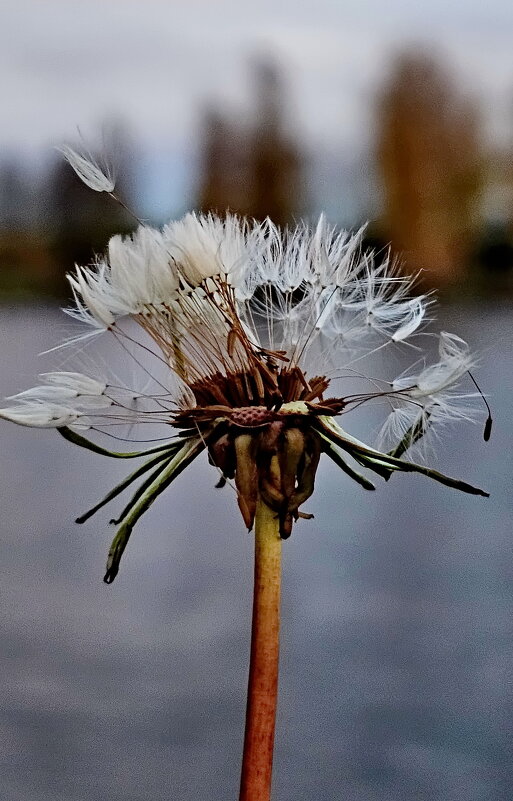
(257,758)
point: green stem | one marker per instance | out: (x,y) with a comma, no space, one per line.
(257,758)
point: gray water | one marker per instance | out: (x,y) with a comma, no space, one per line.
(397,649)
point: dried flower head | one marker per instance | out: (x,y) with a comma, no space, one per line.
(245,340)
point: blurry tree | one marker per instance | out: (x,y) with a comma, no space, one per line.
(224,165)
(254,169)
(16,197)
(495,255)
(430,164)
(25,266)
(275,164)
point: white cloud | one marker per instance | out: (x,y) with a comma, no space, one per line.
(154,61)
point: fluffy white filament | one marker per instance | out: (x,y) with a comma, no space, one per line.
(318,297)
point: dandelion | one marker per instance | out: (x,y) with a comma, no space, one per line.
(249,344)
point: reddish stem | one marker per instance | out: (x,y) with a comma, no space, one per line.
(257,760)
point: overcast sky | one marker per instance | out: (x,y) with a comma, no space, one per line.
(157,62)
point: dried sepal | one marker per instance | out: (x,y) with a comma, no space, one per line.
(246,477)
(270,485)
(222,455)
(306,477)
(289,458)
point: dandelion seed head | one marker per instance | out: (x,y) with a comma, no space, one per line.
(235,332)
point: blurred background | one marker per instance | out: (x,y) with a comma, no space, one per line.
(397,633)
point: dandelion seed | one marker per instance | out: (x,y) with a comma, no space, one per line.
(41,414)
(88,172)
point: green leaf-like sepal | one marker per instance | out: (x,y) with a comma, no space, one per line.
(377,461)
(140,503)
(119,488)
(336,457)
(78,439)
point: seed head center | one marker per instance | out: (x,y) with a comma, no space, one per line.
(252,416)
